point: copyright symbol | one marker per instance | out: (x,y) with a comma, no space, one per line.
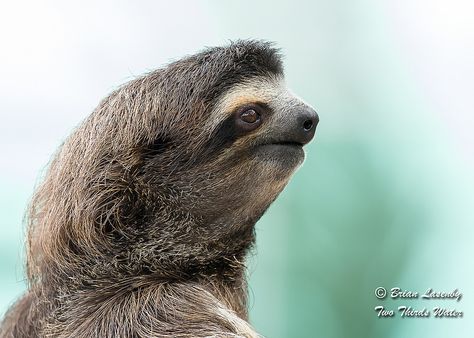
(380,292)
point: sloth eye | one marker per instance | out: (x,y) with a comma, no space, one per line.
(250,116)
(248,119)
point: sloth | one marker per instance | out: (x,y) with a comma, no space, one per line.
(147,212)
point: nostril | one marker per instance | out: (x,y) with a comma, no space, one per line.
(308,125)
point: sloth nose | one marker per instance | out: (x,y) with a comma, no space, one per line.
(307,120)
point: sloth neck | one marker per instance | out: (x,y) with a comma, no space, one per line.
(223,285)
(210,259)
(212,250)
(216,268)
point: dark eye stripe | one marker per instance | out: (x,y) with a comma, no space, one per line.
(228,131)
(224,135)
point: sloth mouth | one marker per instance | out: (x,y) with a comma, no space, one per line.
(283,144)
(282,148)
(288,143)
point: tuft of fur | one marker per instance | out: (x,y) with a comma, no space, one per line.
(137,229)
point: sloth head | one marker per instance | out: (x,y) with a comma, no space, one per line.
(173,169)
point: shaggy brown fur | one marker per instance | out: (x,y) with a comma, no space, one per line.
(143,221)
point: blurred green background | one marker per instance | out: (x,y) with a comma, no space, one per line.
(386,195)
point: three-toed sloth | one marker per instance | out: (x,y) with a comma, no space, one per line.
(144,218)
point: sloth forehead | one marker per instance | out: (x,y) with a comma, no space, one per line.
(268,90)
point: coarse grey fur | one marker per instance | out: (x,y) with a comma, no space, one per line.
(143,221)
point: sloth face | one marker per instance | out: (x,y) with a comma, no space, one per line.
(261,128)
(254,142)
